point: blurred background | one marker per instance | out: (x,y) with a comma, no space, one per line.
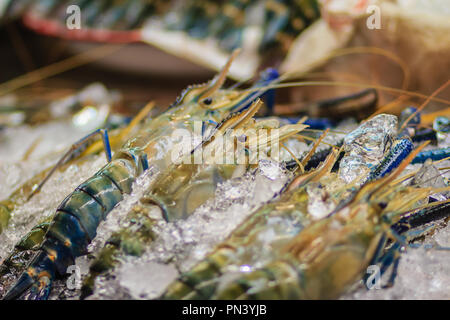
(149,50)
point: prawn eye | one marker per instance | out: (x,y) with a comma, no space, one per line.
(207,101)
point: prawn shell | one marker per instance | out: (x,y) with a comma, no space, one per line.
(69,231)
(86,209)
(121,173)
(104,191)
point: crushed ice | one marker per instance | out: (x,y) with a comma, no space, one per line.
(365,146)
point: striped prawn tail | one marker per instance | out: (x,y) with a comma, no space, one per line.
(75,225)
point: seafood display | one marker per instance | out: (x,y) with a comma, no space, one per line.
(304,180)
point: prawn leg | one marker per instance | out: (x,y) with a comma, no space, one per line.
(73,149)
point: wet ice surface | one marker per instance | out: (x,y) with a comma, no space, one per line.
(365,147)
(52,140)
(27,150)
(422,273)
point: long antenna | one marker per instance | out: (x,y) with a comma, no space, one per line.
(58,67)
